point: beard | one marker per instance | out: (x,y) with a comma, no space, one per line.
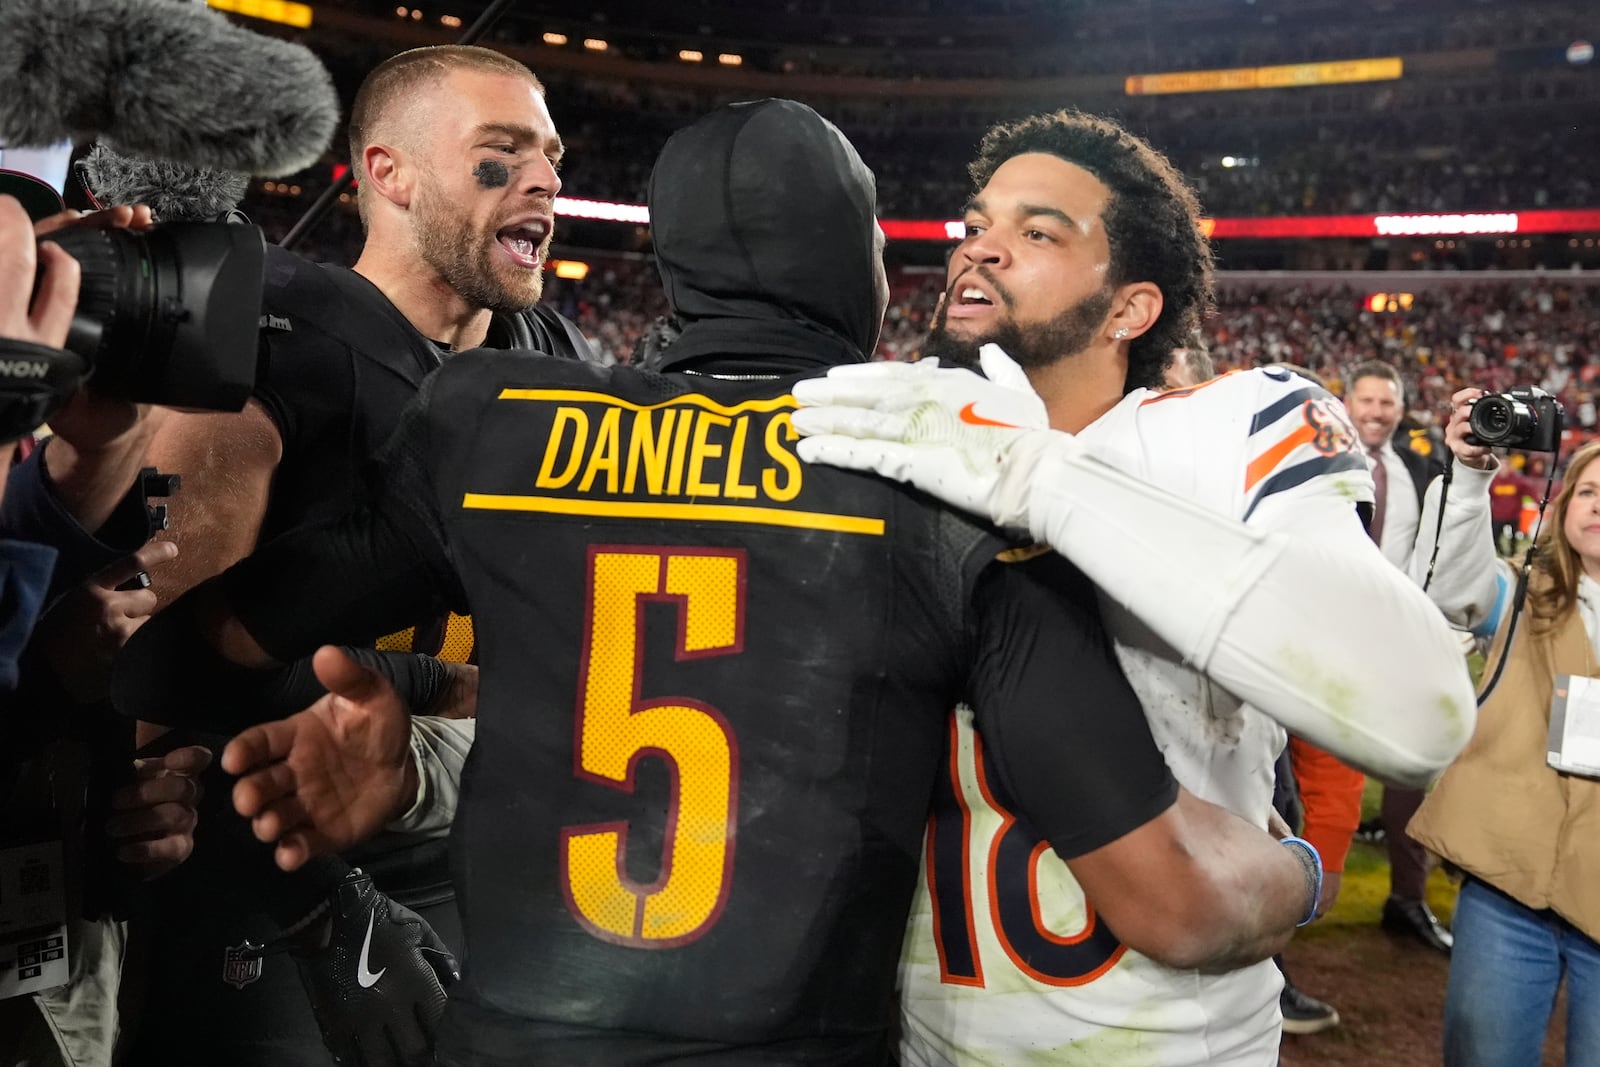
(465,258)
(1030,345)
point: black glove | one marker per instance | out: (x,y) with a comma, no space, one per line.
(376,973)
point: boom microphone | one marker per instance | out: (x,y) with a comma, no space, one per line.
(174,192)
(161,79)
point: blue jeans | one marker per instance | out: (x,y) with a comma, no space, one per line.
(1505,969)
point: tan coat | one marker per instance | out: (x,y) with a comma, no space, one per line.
(1500,812)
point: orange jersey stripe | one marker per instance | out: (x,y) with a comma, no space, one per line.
(1263,464)
(1176,394)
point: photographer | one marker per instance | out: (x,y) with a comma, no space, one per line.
(67,514)
(56,520)
(1525,833)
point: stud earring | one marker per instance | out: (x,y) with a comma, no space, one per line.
(1121,333)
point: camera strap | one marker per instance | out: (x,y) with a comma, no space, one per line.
(35,381)
(1438,531)
(1523,574)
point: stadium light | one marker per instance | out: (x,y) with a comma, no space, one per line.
(595,44)
(1390,302)
(573,270)
(280,11)
(555,38)
(1277,227)
(453,21)
(573,208)
(730,59)
(689,55)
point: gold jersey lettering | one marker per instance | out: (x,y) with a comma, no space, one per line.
(732,488)
(649,450)
(607,452)
(579,420)
(779,432)
(680,451)
(687,458)
(702,451)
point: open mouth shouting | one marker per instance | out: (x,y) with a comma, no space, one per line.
(971,299)
(523,240)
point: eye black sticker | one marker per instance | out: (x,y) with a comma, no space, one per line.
(492,174)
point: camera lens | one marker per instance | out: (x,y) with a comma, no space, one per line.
(169,316)
(1501,422)
(115,289)
(1491,417)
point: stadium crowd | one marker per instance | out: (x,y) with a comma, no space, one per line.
(1494,139)
(1493,334)
(1011,39)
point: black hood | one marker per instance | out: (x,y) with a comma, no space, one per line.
(763,220)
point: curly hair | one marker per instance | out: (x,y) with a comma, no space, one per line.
(1152,221)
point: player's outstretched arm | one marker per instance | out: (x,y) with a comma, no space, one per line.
(1312,626)
(328,778)
(1198,888)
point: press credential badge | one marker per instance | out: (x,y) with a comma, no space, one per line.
(33,919)
(1574,746)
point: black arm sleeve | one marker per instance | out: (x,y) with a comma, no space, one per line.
(377,570)
(1063,729)
(210,693)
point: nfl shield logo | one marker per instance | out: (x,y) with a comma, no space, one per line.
(240,966)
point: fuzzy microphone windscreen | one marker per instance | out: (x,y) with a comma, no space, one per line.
(160,79)
(174,192)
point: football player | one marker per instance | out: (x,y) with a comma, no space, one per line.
(1235,575)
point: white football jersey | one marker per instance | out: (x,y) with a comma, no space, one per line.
(1004,962)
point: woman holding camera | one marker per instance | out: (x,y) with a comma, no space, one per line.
(1518,818)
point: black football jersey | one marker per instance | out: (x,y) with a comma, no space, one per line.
(338,364)
(715,684)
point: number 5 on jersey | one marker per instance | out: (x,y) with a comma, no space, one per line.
(616,727)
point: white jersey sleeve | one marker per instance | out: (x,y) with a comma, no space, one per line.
(1253,565)
(1220,526)
(1469,583)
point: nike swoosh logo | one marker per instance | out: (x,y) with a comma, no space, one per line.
(363,974)
(972,418)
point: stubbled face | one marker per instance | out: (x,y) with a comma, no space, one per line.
(1033,272)
(483,210)
(1582,522)
(1374,404)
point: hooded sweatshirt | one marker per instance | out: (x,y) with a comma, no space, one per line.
(750,268)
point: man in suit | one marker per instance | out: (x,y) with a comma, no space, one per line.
(1376,401)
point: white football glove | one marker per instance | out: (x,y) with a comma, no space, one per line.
(968,440)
